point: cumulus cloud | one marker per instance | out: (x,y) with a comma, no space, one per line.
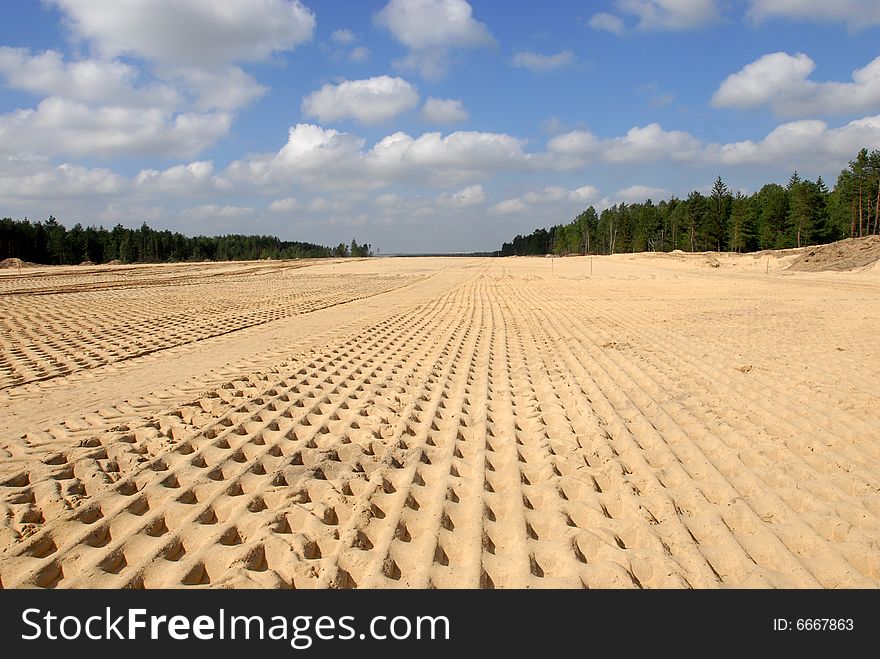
(196,178)
(651,142)
(779,80)
(444,111)
(584,193)
(359,54)
(342,37)
(345,41)
(639,193)
(857,14)
(540,63)
(87,81)
(216,212)
(473,195)
(190,32)
(606,22)
(430,29)
(559,198)
(789,144)
(228,88)
(579,143)
(58,126)
(369,101)
(797,141)
(643,143)
(387,199)
(461,151)
(654,15)
(104,108)
(311,152)
(434,159)
(65,181)
(285,205)
(508,207)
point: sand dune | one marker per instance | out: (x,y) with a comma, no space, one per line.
(508,423)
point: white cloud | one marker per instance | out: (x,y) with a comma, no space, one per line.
(369,101)
(132,214)
(310,152)
(759,82)
(473,195)
(359,54)
(87,81)
(857,14)
(654,15)
(336,204)
(58,126)
(795,142)
(65,181)
(584,193)
(508,207)
(284,205)
(342,37)
(329,159)
(780,81)
(387,200)
(672,14)
(190,32)
(788,145)
(649,142)
(103,108)
(196,178)
(214,212)
(575,143)
(552,194)
(444,111)
(430,29)
(315,158)
(639,193)
(554,199)
(227,88)
(540,63)
(608,23)
(553,126)
(461,151)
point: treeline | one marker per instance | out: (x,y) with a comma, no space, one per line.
(775,217)
(52,243)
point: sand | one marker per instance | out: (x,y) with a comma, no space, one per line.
(654,421)
(842,255)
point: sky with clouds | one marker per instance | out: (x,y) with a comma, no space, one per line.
(419,125)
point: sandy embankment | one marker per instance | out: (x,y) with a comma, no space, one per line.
(663,422)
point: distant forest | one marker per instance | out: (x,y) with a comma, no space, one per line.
(51,243)
(775,217)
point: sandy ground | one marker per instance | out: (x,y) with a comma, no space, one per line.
(631,421)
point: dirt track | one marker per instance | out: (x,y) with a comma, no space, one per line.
(449,423)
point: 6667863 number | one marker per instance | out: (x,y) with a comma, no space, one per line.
(813,624)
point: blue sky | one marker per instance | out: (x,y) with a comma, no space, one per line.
(419,125)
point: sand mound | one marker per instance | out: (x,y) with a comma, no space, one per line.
(846,254)
(11,263)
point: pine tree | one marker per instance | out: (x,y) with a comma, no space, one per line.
(741,228)
(719,205)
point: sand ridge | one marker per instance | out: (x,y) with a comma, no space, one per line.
(652,425)
(45,333)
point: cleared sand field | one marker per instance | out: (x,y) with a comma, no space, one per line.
(635,421)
